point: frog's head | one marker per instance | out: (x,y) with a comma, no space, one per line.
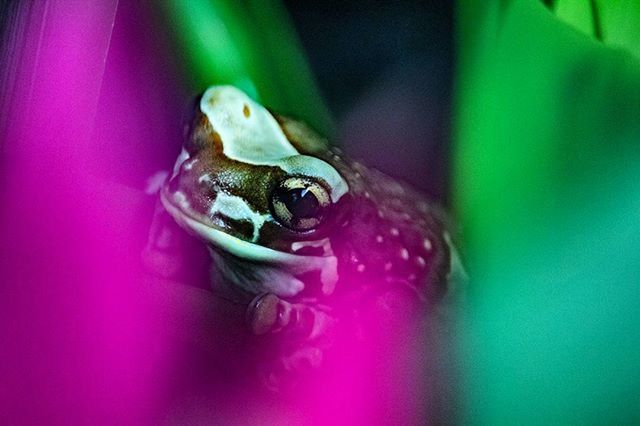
(250,186)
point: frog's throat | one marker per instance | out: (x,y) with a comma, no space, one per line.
(251,135)
(296,264)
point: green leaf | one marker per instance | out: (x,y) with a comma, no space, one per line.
(547,133)
(620,20)
(581,14)
(249,44)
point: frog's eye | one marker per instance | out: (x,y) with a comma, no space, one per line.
(300,203)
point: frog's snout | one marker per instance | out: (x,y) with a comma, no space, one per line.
(173,185)
(189,194)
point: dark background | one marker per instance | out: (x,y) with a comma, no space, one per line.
(385,69)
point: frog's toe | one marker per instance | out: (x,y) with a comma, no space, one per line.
(263,314)
(268,313)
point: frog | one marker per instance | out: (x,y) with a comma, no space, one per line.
(301,235)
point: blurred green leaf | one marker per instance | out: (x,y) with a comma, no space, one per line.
(614,22)
(252,45)
(620,20)
(547,133)
(581,14)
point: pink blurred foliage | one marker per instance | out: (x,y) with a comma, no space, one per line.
(78,339)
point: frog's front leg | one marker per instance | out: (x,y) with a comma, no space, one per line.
(268,313)
(301,334)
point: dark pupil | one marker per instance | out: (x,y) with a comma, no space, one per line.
(301,203)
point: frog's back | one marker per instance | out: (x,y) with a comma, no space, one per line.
(394,234)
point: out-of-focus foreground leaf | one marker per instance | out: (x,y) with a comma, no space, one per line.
(547,133)
(616,23)
(250,44)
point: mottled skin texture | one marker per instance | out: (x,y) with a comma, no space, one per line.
(391,234)
(388,240)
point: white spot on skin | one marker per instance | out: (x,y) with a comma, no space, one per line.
(325,243)
(360,268)
(427,244)
(237,208)
(258,139)
(188,165)
(379,239)
(394,232)
(404,254)
(181,199)
(329,275)
(366,194)
(204,178)
(420,261)
(388,266)
(380,214)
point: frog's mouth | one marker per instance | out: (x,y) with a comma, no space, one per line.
(258,256)
(189,220)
